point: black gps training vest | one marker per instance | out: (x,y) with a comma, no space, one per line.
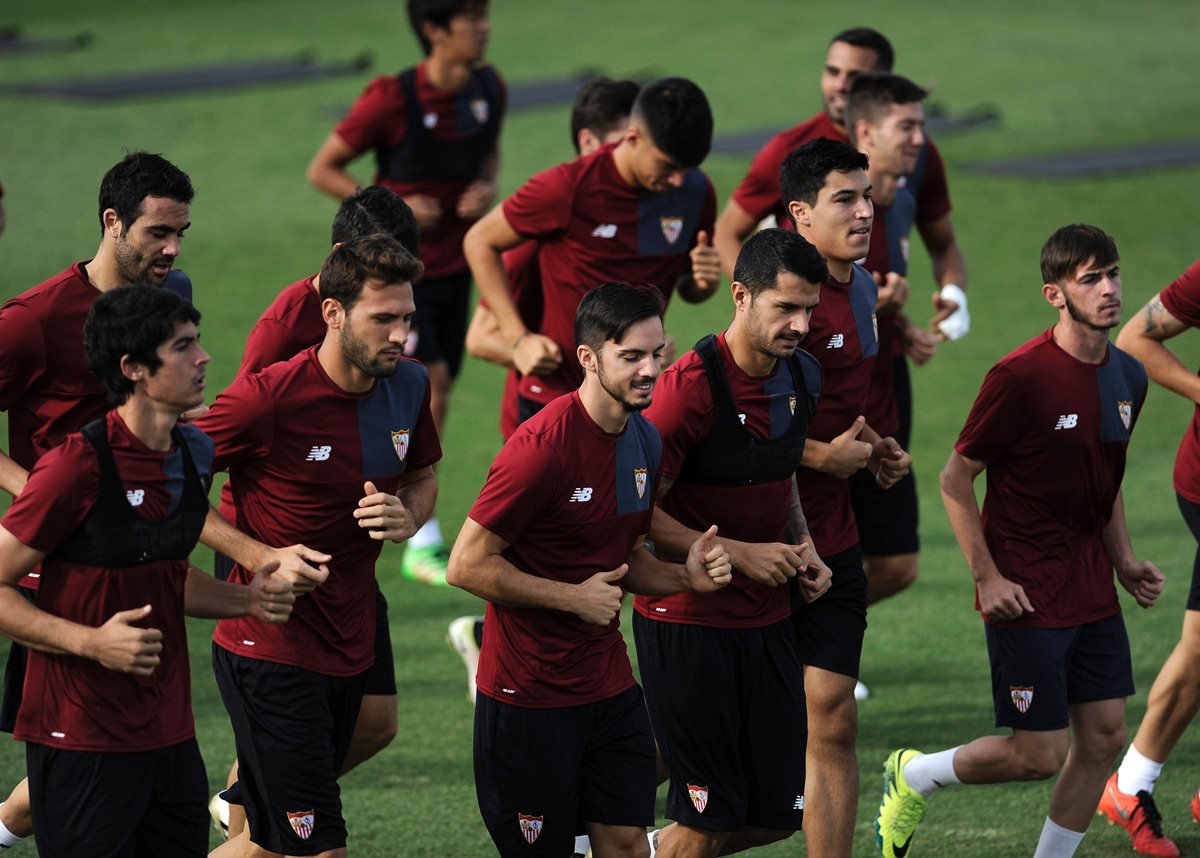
(732,455)
(113,535)
(423,156)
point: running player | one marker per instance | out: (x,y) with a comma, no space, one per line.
(1128,798)
(1053,415)
(562,740)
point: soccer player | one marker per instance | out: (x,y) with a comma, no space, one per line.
(733,414)
(336,444)
(45,384)
(599,116)
(292,323)
(851,53)
(638,211)
(1128,798)
(885,118)
(554,541)
(825,182)
(1051,417)
(111,515)
(434,129)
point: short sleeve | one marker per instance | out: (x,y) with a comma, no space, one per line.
(996,420)
(426,446)
(377,118)
(933,197)
(58,496)
(758,192)
(268,342)
(1182,298)
(681,410)
(22,351)
(542,206)
(519,485)
(240,423)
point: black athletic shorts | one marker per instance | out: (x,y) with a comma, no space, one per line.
(887,518)
(14,676)
(1191,515)
(439,329)
(292,728)
(728,711)
(831,629)
(118,805)
(540,774)
(1038,673)
(380,678)
(526,408)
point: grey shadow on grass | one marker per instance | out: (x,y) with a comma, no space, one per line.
(13,44)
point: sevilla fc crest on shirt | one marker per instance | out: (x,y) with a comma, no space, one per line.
(699,796)
(531,826)
(1022,697)
(400,439)
(479,109)
(1125,409)
(302,822)
(639,480)
(671,228)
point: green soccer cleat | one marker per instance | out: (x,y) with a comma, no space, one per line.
(426,565)
(901,808)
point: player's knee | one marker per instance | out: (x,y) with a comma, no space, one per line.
(1102,744)
(692,841)
(1037,764)
(833,719)
(765,836)
(377,725)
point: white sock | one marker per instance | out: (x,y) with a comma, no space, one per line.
(1057,842)
(582,844)
(652,836)
(1137,772)
(7,838)
(429,534)
(930,772)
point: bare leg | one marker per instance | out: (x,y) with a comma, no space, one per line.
(831,784)
(375,729)
(1099,735)
(1026,755)
(15,813)
(1175,695)
(887,576)
(618,841)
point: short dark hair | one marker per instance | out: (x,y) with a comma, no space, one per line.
(608,311)
(139,175)
(1072,246)
(439,13)
(131,320)
(350,265)
(804,170)
(865,37)
(376,209)
(600,105)
(873,94)
(771,252)
(675,113)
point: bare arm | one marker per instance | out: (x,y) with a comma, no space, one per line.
(945,256)
(399,516)
(1144,336)
(1140,577)
(485,341)
(268,597)
(305,568)
(327,171)
(999,598)
(705,569)
(12,475)
(734,224)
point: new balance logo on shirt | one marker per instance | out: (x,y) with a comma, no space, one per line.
(1067,421)
(581,495)
(836,341)
(319,454)
(605,230)
(798,804)
(135,497)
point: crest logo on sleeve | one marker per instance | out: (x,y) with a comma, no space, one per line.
(302,822)
(1022,697)
(671,228)
(699,796)
(400,438)
(639,480)
(792,405)
(1125,409)
(479,109)
(531,826)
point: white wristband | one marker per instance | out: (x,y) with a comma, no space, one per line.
(957,323)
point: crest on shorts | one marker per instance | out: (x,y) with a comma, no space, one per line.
(479,109)
(671,228)
(1022,697)
(639,480)
(400,438)
(531,826)
(302,822)
(699,797)
(792,405)
(1125,409)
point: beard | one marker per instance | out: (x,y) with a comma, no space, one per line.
(617,394)
(356,352)
(1077,315)
(133,266)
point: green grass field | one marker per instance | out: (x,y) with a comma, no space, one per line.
(1065,77)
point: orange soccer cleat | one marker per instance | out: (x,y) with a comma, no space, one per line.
(1138,815)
